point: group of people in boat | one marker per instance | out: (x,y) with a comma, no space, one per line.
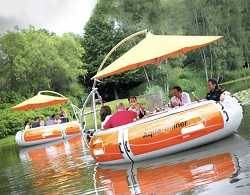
(40,121)
(136,110)
(122,115)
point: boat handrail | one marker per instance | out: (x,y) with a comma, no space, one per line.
(52,125)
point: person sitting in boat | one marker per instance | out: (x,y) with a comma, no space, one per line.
(215,92)
(27,125)
(50,120)
(121,117)
(42,121)
(105,114)
(136,107)
(36,122)
(179,97)
(57,119)
(63,115)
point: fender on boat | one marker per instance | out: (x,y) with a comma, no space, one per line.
(167,132)
(46,134)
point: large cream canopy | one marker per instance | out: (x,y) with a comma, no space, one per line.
(40,101)
(153,49)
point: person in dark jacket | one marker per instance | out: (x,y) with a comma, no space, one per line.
(214,90)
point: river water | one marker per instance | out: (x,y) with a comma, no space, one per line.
(65,167)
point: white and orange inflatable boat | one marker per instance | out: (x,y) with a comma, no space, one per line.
(44,134)
(170,131)
(167,132)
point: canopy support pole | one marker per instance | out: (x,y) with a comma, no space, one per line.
(91,97)
(94,109)
(146,74)
(76,110)
(115,47)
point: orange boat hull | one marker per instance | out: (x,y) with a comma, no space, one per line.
(166,133)
(46,134)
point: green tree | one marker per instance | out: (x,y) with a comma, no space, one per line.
(101,34)
(33,60)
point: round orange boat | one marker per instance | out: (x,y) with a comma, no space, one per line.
(172,130)
(48,133)
(168,132)
(40,135)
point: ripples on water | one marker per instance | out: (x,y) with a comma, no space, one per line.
(65,167)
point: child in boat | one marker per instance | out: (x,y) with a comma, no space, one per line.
(136,107)
(121,117)
(105,114)
(179,97)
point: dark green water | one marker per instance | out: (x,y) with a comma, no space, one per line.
(65,167)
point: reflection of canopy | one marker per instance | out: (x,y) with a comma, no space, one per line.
(40,101)
(153,49)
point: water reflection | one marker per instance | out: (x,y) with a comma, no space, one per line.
(186,171)
(57,166)
(65,167)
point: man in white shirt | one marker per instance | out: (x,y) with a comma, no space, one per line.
(179,98)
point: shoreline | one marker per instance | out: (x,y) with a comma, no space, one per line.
(7,141)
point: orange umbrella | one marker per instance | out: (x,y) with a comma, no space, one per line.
(153,49)
(40,101)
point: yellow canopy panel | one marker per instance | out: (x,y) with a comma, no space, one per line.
(153,49)
(40,101)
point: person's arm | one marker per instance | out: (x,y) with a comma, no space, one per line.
(175,102)
(134,114)
(107,124)
(185,99)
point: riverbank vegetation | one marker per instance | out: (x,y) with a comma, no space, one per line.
(34,59)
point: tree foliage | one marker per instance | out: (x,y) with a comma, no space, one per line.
(33,60)
(228,18)
(101,34)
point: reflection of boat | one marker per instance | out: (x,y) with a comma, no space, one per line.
(168,132)
(171,174)
(170,178)
(49,151)
(49,133)
(52,165)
